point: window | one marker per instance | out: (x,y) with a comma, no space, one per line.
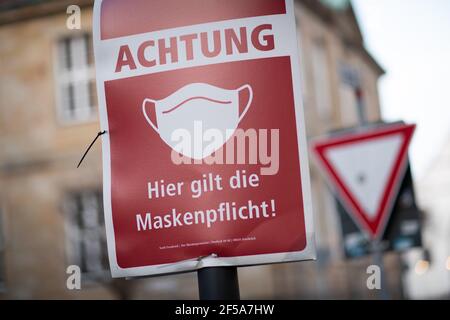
(352,112)
(321,78)
(349,106)
(2,253)
(85,231)
(76,92)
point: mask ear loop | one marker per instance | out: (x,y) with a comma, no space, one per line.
(250,99)
(144,103)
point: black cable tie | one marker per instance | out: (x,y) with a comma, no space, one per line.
(90,146)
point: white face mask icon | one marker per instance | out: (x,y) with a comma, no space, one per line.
(193,108)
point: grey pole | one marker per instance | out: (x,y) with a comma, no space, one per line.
(218,283)
(377,255)
(377,247)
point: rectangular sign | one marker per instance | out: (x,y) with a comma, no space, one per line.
(205,157)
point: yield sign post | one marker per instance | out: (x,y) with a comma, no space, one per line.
(365,168)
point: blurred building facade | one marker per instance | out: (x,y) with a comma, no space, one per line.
(51,213)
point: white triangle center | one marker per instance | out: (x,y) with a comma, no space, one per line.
(365,168)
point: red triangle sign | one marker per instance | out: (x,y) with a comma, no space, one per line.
(366,168)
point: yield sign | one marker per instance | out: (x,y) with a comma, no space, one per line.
(365,168)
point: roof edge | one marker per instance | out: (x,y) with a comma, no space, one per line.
(328,16)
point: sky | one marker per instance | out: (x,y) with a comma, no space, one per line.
(411,41)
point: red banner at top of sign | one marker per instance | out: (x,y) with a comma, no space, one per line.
(123,18)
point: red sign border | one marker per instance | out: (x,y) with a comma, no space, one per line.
(376,228)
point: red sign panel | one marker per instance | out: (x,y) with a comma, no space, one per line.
(205,158)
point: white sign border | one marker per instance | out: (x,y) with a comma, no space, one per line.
(308,253)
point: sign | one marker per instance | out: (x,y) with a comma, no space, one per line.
(365,168)
(403,230)
(205,157)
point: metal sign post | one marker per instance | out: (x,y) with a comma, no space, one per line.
(376,245)
(218,283)
(377,256)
